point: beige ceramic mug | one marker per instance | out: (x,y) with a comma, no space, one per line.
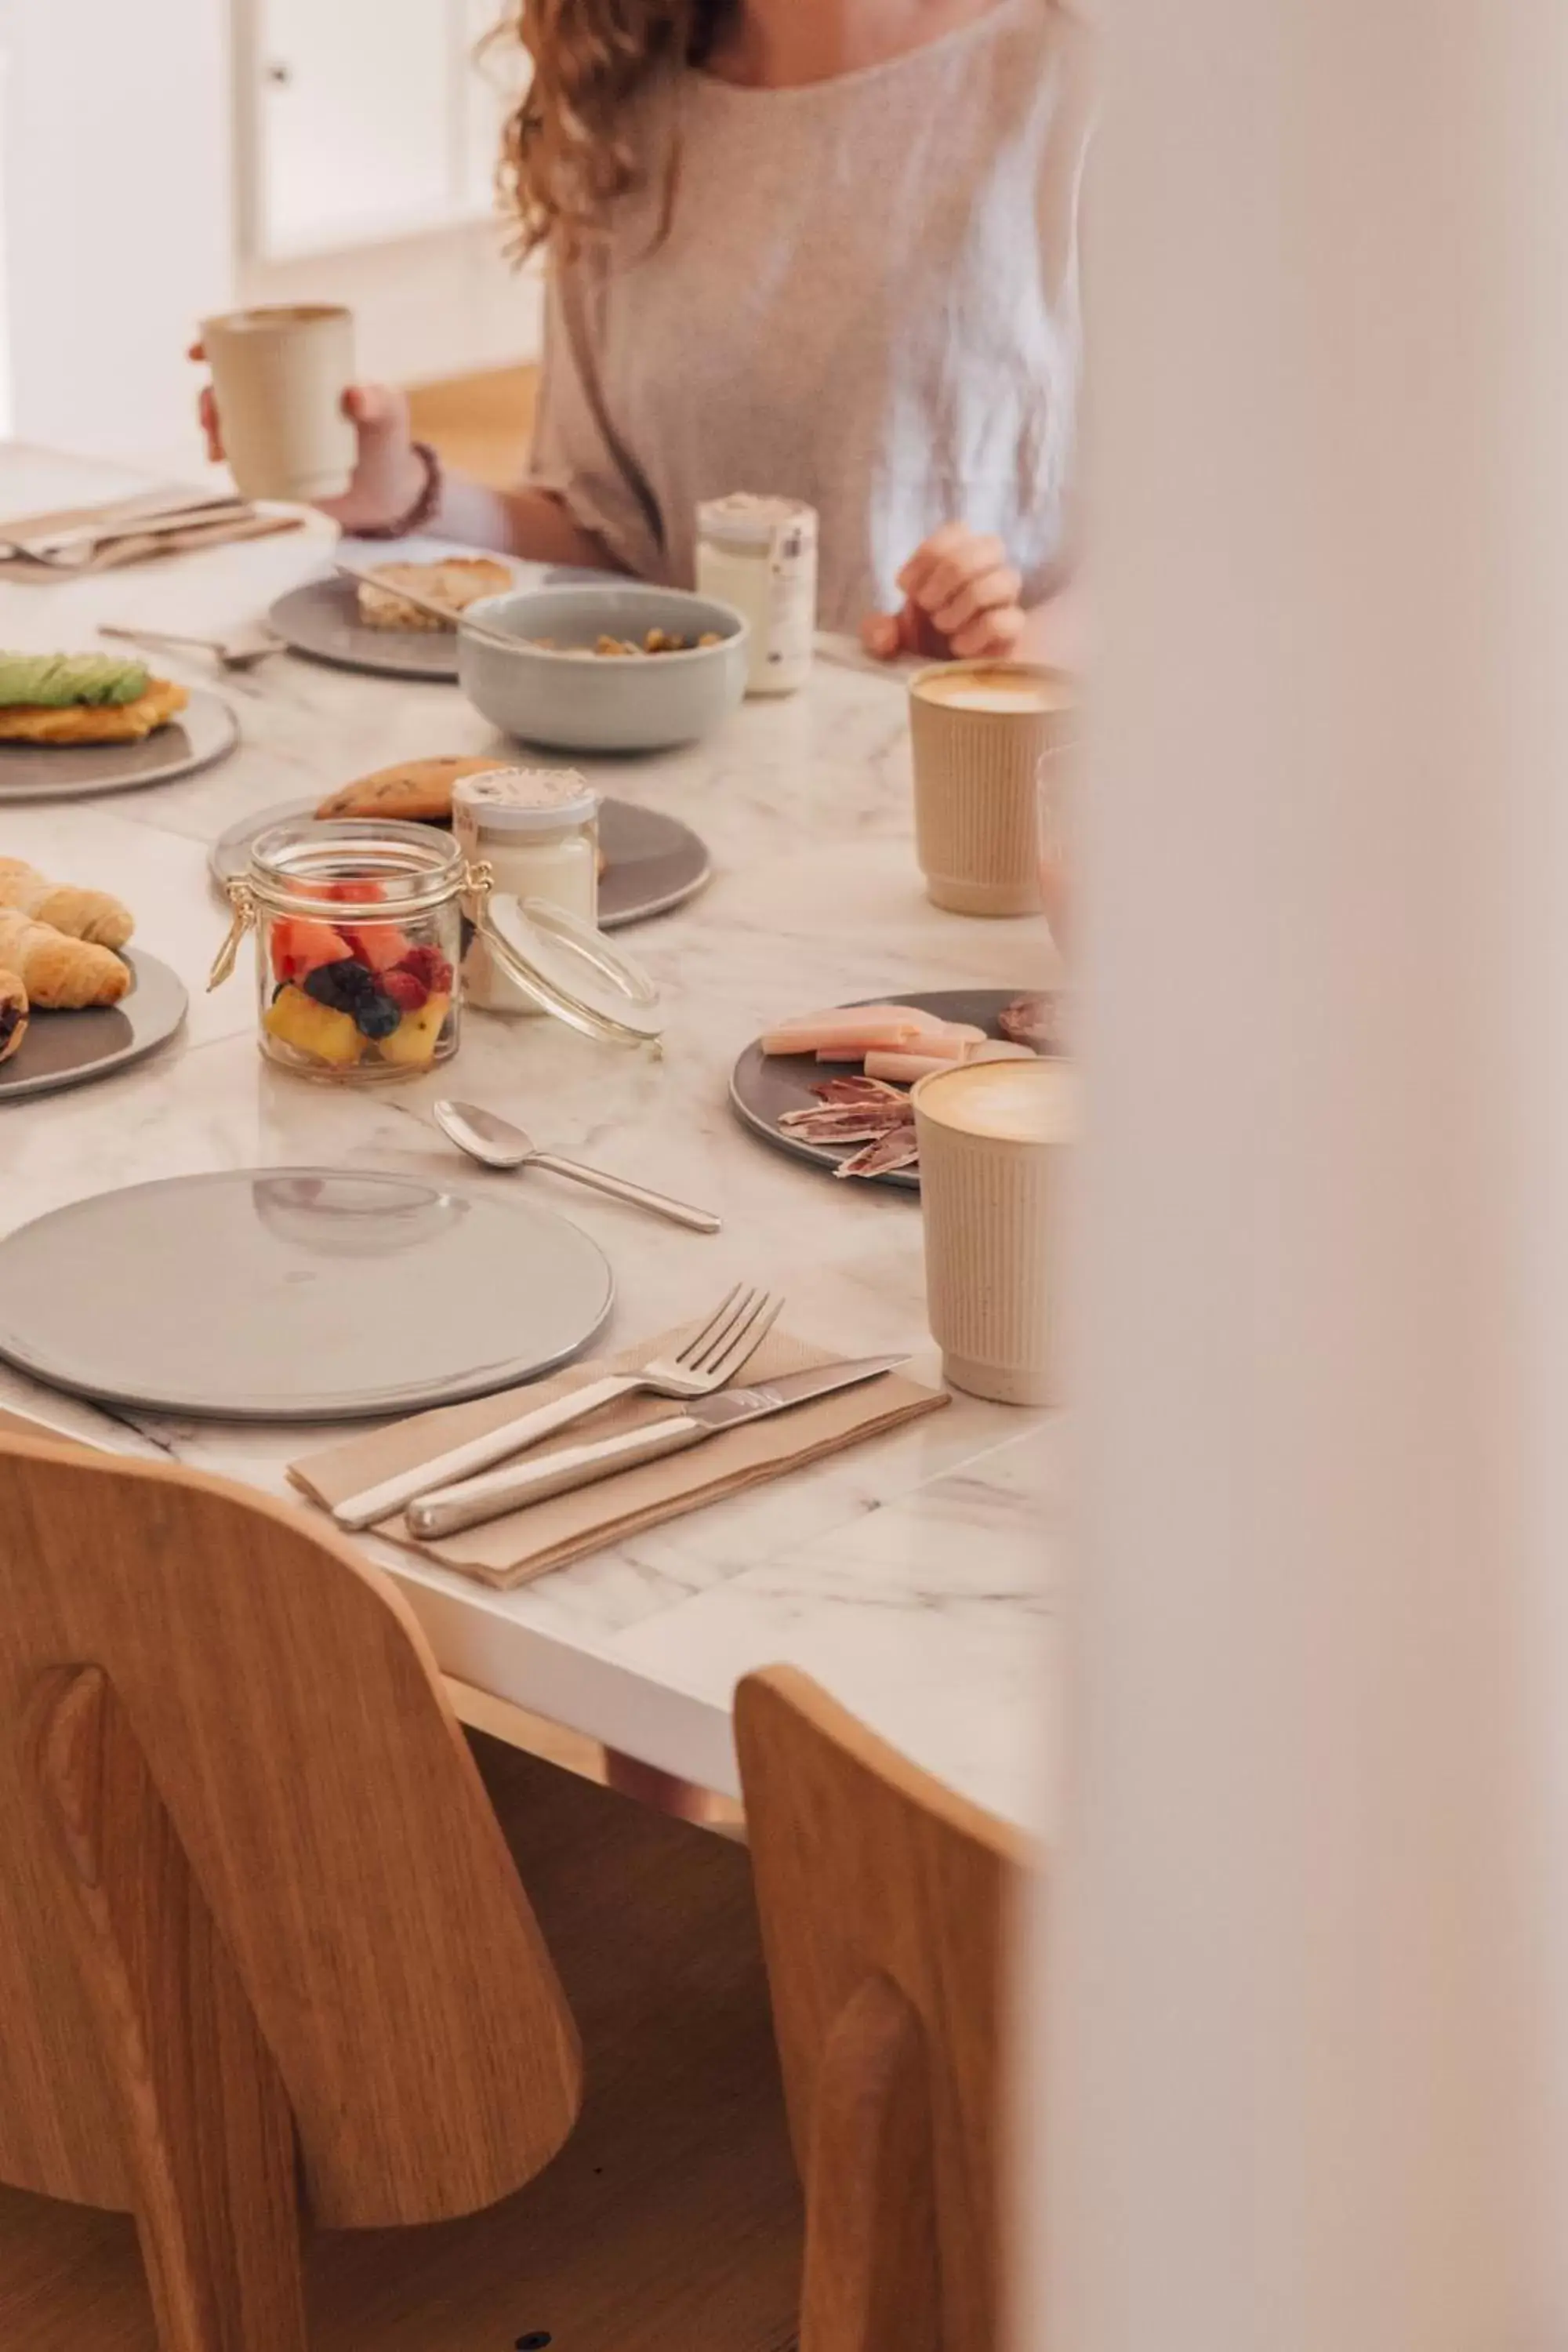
(992,1140)
(278,379)
(981,731)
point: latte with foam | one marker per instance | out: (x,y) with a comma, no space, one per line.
(1013,1102)
(1007,688)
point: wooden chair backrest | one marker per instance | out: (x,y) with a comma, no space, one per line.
(262,1703)
(887,1904)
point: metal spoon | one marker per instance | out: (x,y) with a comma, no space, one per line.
(499,1144)
(242,650)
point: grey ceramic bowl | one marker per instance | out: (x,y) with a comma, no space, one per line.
(577,702)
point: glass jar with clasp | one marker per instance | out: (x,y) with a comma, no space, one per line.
(360,930)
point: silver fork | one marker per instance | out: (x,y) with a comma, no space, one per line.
(711,1355)
(242,650)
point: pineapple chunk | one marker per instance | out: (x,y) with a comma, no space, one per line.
(413,1041)
(316,1030)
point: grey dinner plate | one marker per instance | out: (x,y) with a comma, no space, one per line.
(71,1049)
(202,732)
(321,618)
(762,1087)
(652,862)
(296,1294)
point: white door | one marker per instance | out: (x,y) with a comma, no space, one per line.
(355,109)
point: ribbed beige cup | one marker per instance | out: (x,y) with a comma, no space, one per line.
(278,379)
(977,780)
(992,1138)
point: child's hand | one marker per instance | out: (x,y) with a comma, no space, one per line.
(961,597)
(387,477)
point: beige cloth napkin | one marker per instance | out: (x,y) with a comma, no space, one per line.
(528,1543)
(121,543)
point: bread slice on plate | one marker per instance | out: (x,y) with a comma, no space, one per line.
(415,791)
(93,722)
(457,582)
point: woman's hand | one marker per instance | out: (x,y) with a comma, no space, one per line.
(961,597)
(388,476)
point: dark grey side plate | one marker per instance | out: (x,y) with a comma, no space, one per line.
(297,1293)
(202,732)
(653,861)
(71,1049)
(321,618)
(762,1087)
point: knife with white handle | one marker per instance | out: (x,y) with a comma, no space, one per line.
(451,1508)
(460,1462)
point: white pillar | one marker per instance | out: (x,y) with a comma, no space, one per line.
(1308,2043)
(117,150)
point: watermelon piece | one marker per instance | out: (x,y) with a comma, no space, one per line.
(300,945)
(378,945)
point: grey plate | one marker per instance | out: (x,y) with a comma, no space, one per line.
(202,732)
(71,1049)
(322,618)
(296,1294)
(653,862)
(762,1087)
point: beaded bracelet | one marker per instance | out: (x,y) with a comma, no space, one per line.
(424,507)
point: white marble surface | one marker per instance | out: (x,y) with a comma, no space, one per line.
(909,1575)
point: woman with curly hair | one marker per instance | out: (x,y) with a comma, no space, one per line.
(822,248)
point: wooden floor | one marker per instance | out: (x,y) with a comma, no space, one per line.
(481,425)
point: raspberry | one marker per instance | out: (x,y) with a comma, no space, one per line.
(430,966)
(406,988)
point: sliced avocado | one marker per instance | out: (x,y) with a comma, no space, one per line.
(57,681)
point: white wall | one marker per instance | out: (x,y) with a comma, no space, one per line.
(116,150)
(122,153)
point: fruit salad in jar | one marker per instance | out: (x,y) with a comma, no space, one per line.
(346,993)
(358,934)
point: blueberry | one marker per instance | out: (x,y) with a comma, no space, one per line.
(354,978)
(375,1016)
(326,985)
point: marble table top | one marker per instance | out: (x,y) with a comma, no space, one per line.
(909,1575)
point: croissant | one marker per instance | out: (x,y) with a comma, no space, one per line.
(80,914)
(58,974)
(13,1014)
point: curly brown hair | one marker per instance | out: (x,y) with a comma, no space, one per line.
(566,154)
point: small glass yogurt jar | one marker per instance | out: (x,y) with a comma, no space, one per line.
(759,555)
(537,829)
(359,939)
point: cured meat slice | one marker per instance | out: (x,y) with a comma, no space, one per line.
(900,1148)
(1031,1020)
(907,1067)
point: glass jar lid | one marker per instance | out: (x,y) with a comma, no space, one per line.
(523,801)
(570,970)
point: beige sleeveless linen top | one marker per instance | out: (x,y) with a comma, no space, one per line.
(868,299)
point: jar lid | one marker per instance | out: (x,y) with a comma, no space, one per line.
(742,520)
(526,799)
(571,970)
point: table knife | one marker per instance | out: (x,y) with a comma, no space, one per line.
(473,1500)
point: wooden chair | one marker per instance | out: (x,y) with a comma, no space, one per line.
(270,1984)
(887,1906)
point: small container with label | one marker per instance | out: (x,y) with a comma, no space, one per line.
(537,829)
(759,555)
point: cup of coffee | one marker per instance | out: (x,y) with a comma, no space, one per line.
(981,731)
(278,378)
(992,1140)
